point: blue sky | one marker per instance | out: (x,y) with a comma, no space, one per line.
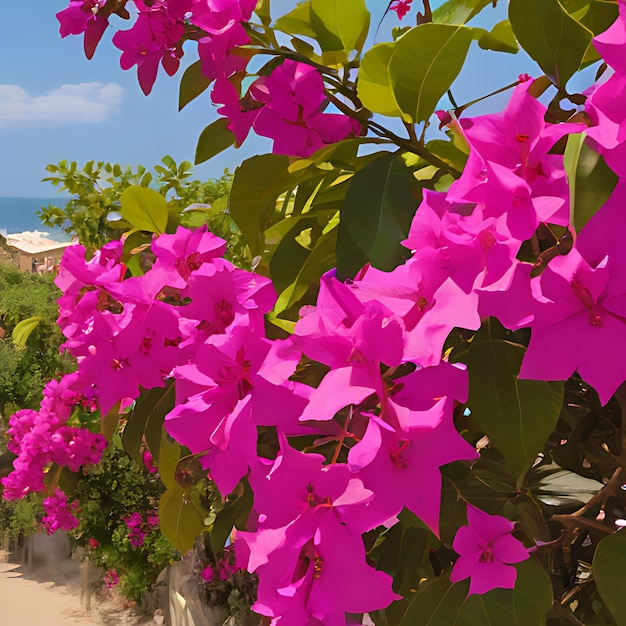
(55,104)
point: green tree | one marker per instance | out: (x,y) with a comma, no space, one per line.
(93,213)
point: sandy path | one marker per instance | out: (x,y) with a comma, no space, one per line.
(50,597)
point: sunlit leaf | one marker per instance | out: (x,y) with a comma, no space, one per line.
(424,64)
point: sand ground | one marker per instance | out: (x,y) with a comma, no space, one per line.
(50,596)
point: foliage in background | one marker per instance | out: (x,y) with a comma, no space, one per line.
(25,370)
(93,213)
(109,493)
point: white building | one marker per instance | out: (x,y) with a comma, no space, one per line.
(34,251)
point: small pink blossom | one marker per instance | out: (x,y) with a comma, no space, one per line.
(487,549)
(401,7)
(111,578)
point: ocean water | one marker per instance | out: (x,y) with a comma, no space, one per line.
(20,214)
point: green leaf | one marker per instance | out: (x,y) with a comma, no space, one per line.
(424,64)
(609,572)
(500,38)
(570,162)
(377,212)
(192,84)
(169,455)
(594,184)
(518,416)
(440,603)
(148,413)
(297,21)
(233,515)
(257,184)
(23,331)
(552,37)
(215,138)
(459,11)
(263,11)
(374,86)
(110,422)
(320,260)
(144,209)
(179,519)
(340,25)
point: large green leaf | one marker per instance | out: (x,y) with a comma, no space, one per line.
(459,11)
(377,212)
(192,84)
(518,416)
(148,414)
(440,603)
(551,36)
(144,209)
(609,571)
(594,183)
(320,259)
(424,64)
(340,25)
(179,519)
(234,515)
(256,186)
(215,138)
(297,21)
(374,86)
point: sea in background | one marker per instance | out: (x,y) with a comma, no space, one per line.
(20,214)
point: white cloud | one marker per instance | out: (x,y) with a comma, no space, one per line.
(85,103)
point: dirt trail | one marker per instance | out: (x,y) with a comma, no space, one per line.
(51,597)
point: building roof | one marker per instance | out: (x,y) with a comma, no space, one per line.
(35,243)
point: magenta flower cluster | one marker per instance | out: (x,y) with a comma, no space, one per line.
(287,106)
(40,438)
(138,528)
(196,319)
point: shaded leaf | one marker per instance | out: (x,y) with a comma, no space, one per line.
(320,260)
(518,416)
(192,84)
(552,37)
(377,212)
(179,519)
(257,184)
(233,515)
(215,138)
(594,183)
(151,407)
(440,603)
(609,571)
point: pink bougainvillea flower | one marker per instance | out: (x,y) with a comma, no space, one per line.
(457,241)
(611,43)
(241,112)
(401,7)
(59,513)
(509,170)
(428,308)
(576,300)
(83,16)
(154,39)
(487,550)
(292,117)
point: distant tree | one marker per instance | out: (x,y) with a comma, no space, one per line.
(92,214)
